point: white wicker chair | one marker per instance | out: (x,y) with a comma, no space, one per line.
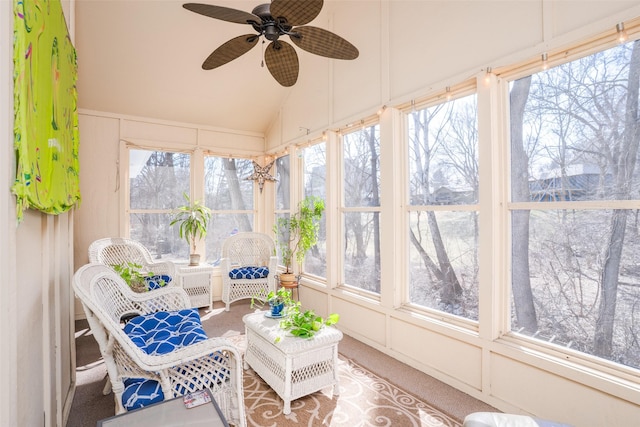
(213,363)
(119,250)
(247,249)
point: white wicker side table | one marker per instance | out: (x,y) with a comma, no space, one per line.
(293,367)
(197,282)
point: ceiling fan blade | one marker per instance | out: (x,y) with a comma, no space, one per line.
(223,13)
(230,50)
(296,12)
(324,43)
(282,61)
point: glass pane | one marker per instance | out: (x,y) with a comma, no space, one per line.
(362,250)
(158,179)
(315,167)
(154,232)
(576,281)
(443,153)
(226,186)
(361,166)
(227,189)
(283,184)
(282,238)
(315,170)
(574,130)
(223,226)
(443,261)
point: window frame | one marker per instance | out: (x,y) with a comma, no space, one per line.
(123,171)
(504,76)
(464,89)
(343,210)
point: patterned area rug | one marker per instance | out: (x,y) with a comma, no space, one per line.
(364,400)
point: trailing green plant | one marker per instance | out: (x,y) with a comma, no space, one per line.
(192,219)
(298,233)
(298,322)
(131,273)
(305,324)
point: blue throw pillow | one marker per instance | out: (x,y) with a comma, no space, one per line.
(166,331)
(141,392)
(249,273)
(157,281)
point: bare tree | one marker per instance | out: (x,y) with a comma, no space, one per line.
(423,154)
(624,166)
(237,203)
(521,283)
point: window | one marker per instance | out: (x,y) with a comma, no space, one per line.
(361,208)
(575,192)
(443,215)
(315,181)
(283,197)
(230,197)
(283,184)
(157,182)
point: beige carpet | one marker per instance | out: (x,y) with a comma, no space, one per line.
(364,400)
(369,382)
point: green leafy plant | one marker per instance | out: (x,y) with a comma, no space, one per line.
(282,295)
(132,274)
(192,219)
(305,324)
(299,323)
(299,232)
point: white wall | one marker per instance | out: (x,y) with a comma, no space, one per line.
(37,360)
(410,49)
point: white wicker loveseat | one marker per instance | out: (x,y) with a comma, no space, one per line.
(212,363)
(248,267)
(120,250)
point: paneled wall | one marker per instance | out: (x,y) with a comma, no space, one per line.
(37,359)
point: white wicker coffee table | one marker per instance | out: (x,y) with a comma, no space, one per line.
(293,367)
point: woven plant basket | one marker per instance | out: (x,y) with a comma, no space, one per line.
(138,286)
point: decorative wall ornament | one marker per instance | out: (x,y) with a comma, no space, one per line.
(261,174)
(45,109)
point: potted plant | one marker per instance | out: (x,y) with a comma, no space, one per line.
(193,220)
(297,234)
(279,302)
(139,281)
(299,323)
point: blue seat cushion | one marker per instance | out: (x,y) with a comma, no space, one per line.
(249,273)
(157,281)
(140,392)
(166,331)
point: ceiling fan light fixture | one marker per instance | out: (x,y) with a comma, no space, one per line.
(273,20)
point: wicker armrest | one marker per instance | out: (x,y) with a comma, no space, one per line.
(184,355)
(163,299)
(161,267)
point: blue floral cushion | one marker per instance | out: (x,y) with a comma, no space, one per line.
(140,392)
(157,281)
(166,331)
(249,273)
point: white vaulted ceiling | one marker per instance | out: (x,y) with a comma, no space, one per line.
(144,58)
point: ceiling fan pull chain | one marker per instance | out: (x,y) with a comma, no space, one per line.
(262,62)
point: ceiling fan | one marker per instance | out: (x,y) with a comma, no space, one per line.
(274,20)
